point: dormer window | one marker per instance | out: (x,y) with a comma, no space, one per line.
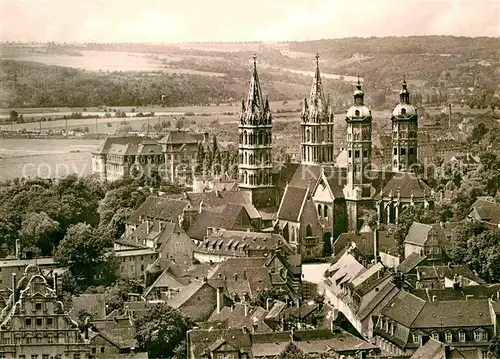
(461,337)
(448,337)
(435,336)
(416,338)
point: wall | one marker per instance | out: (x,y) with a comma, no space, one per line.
(134,266)
(202,304)
(102,348)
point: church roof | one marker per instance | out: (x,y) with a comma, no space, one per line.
(292,202)
(181,137)
(406,185)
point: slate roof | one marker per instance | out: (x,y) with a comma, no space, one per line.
(433,349)
(224,217)
(404,308)
(180,137)
(441,272)
(454,313)
(410,262)
(346,269)
(165,208)
(374,305)
(108,142)
(292,202)
(406,184)
(238,243)
(185,294)
(477,291)
(217,198)
(418,233)
(487,209)
(119,332)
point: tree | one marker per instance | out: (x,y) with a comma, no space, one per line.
(179,124)
(83,251)
(215,148)
(117,294)
(123,196)
(38,232)
(13,116)
(161,329)
(292,352)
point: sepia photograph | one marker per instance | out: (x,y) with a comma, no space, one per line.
(269,179)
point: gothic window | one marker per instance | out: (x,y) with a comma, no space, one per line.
(261,139)
(245,137)
(319,210)
(395,163)
(241,138)
(410,151)
(308,135)
(365,153)
(395,150)
(349,153)
(356,153)
(325,211)
(246,158)
(403,152)
(308,230)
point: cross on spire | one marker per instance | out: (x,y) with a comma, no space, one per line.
(317,59)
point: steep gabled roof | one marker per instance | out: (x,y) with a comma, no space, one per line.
(180,137)
(410,262)
(404,308)
(165,280)
(186,293)
(406,185)
(292,203)
(419,232)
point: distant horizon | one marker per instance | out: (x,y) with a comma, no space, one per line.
(224,21)
(239,42)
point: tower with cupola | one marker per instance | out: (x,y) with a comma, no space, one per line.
(358,188)
(255,145)
(404,133)
(317,125)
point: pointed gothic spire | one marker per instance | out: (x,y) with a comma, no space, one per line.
(255,100)
(317,97)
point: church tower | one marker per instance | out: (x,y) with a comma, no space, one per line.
(358,141)
(404,133)
(359,153)
(317,125)
(255,136)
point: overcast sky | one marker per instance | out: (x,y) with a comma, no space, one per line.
(237,20)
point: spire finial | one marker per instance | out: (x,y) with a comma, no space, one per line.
(254,59)
(317,59)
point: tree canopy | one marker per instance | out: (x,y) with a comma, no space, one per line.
(161,330)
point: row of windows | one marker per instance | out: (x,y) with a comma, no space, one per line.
(357,153)
(404,135)
(402,151)
(313,136)
(448,337)
(263,138)
(39,321)
(131,258)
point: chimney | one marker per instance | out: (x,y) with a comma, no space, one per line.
(147,226)
(469,296)
(18,248)
(434,298)
(14,287)
(246,309)
(268,304)
(376,245)
(220,298)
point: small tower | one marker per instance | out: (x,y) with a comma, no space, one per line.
(317,125)
(359,139)
(404,133)
(255,138)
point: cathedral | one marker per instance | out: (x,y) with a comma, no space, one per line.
(316,199)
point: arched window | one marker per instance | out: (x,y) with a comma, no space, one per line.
(245,137)
(308,230)
(319,210)
(325,211)
(241,138)
(356,112)
(403,111)
(261,138)
(308,135)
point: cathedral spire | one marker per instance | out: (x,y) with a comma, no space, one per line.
(255,100)
(317,97)
(404,95)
